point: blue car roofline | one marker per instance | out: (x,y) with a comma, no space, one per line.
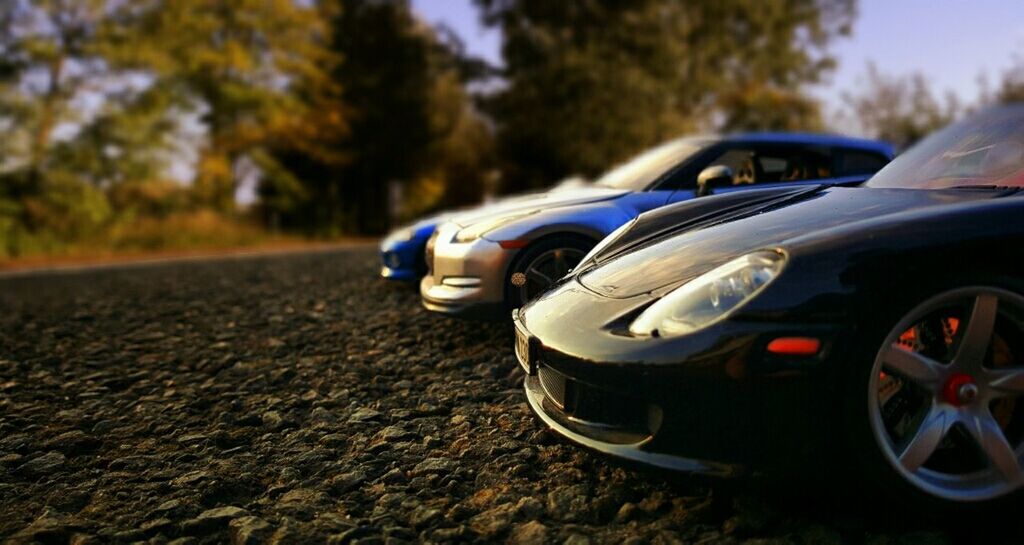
(878,146)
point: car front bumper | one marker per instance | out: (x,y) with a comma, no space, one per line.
(403,260)
(466,279)
(724,405)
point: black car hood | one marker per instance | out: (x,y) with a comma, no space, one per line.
(682,255)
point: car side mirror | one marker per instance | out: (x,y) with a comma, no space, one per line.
(712,177)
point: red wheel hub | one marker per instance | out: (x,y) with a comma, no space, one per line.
(959,390)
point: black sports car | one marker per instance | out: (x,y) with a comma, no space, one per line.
(881,326)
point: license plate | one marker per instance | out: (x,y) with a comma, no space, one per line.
(525,352)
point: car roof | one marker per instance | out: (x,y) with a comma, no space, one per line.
(818,139)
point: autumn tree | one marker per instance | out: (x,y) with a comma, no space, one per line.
(234,63)
(590,82)
(411,126)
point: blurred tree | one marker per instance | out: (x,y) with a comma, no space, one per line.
(899,109)
(49,55)
(235,62)
(49,62)
(591,82)
(411,124)
(1011,85)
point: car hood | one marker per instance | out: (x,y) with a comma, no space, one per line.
(680,256)
(528,204)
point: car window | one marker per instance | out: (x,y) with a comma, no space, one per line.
(855,162)
(646,168)
(986,149)
(775,164)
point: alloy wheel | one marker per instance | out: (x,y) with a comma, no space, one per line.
(544,270)
(943,395)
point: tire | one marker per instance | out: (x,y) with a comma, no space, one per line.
(551,258)
(895,465)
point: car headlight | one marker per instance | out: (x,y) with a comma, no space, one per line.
(481,228)
(711,297)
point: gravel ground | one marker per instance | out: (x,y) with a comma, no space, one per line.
(300,398)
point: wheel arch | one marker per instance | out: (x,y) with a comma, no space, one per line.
(586,237)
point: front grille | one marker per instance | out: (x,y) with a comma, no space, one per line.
(596,406)
(554,385)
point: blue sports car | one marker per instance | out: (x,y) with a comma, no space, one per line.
(488,262)
(402,251)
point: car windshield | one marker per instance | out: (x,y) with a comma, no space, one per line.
(984,150)
(639,172)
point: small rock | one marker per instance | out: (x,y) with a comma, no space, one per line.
(272,420)
(394,434)
(104,426)
(249,530)
(43,465)
(493,521)
(352,534)
(529,508)
(50,527)
(157,526)
(192,438)
(212,518)
(346,481)
(448,535)
(567,502)
(530,533)
(395,476)
(422,516)
(364,415)
(301,495)
(288,533)
(11,459)
(169,505)
(190,479)
(577,539)
(626,513)
(72,442)
(433,466)
(334,440)
(82,539)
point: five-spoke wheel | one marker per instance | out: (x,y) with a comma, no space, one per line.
(942,397)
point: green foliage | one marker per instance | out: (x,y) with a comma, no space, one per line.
(231,60)
(60,209)
(92,91)
(591,82)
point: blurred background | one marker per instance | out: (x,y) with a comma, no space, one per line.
(133,126)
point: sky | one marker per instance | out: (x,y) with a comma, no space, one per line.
(951,42)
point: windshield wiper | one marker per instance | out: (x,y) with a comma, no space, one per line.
(988,187)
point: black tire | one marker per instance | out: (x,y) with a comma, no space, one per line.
(880,486)
(574,246)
